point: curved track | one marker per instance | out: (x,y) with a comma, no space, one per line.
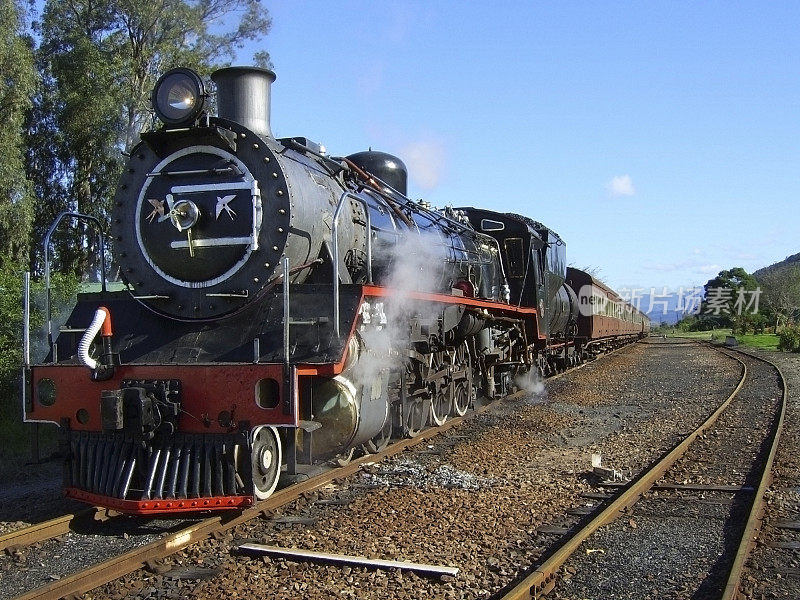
(544,577)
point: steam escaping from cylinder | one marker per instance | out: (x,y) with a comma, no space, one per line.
(353,406)
(414,260)
(532,384)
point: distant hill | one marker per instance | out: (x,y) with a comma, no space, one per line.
(788,263)
(662,309)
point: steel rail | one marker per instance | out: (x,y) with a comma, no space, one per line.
(121,565)
(544,578)
(37,533)
(753,524)
(51,528)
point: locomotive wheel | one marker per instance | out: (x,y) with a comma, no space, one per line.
(440,397)
(380,441)
(462,392)
(414,412)
(462,398)
(345,457)
(265,458)
(414,417)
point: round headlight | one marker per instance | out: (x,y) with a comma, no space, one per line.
(179,96)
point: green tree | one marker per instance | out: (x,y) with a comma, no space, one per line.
(17,85)
(730,299)
(781,293)
(100,59)
(80,61)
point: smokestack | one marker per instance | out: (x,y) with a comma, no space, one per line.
(243,95)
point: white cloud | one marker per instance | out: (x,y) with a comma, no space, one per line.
(687,265)
(425,160)
(621,185)
(710,269)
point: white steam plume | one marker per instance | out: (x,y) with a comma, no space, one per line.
(531,383)
(415,264)
(426,162)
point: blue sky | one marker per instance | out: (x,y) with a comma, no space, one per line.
(661,140)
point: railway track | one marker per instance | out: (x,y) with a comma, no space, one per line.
(45,530)
(771,570)
(469,499)
(231,527)
(172,536)
(718,463)
(148,554)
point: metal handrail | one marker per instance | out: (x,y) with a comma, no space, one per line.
(81,217)
(285,267)
(335,251)
(26,319)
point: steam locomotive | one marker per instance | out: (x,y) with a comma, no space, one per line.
(284,307)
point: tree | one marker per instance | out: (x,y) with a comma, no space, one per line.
(100,60)
(16,87)
(781,293)
(80,62)
(730,298)
(161,34)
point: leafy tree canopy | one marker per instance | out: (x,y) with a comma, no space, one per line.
(729,298)
(99,60)
(17,85)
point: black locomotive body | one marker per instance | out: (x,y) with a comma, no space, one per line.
(283,307)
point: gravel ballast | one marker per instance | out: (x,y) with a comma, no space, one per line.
(472,498)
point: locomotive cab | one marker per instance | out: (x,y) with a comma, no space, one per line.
(534,259)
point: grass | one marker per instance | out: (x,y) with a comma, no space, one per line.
(702,335)
(15,442)
(762,341)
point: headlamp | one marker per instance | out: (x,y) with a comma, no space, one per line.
(178,97)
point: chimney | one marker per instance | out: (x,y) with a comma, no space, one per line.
(243,96)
